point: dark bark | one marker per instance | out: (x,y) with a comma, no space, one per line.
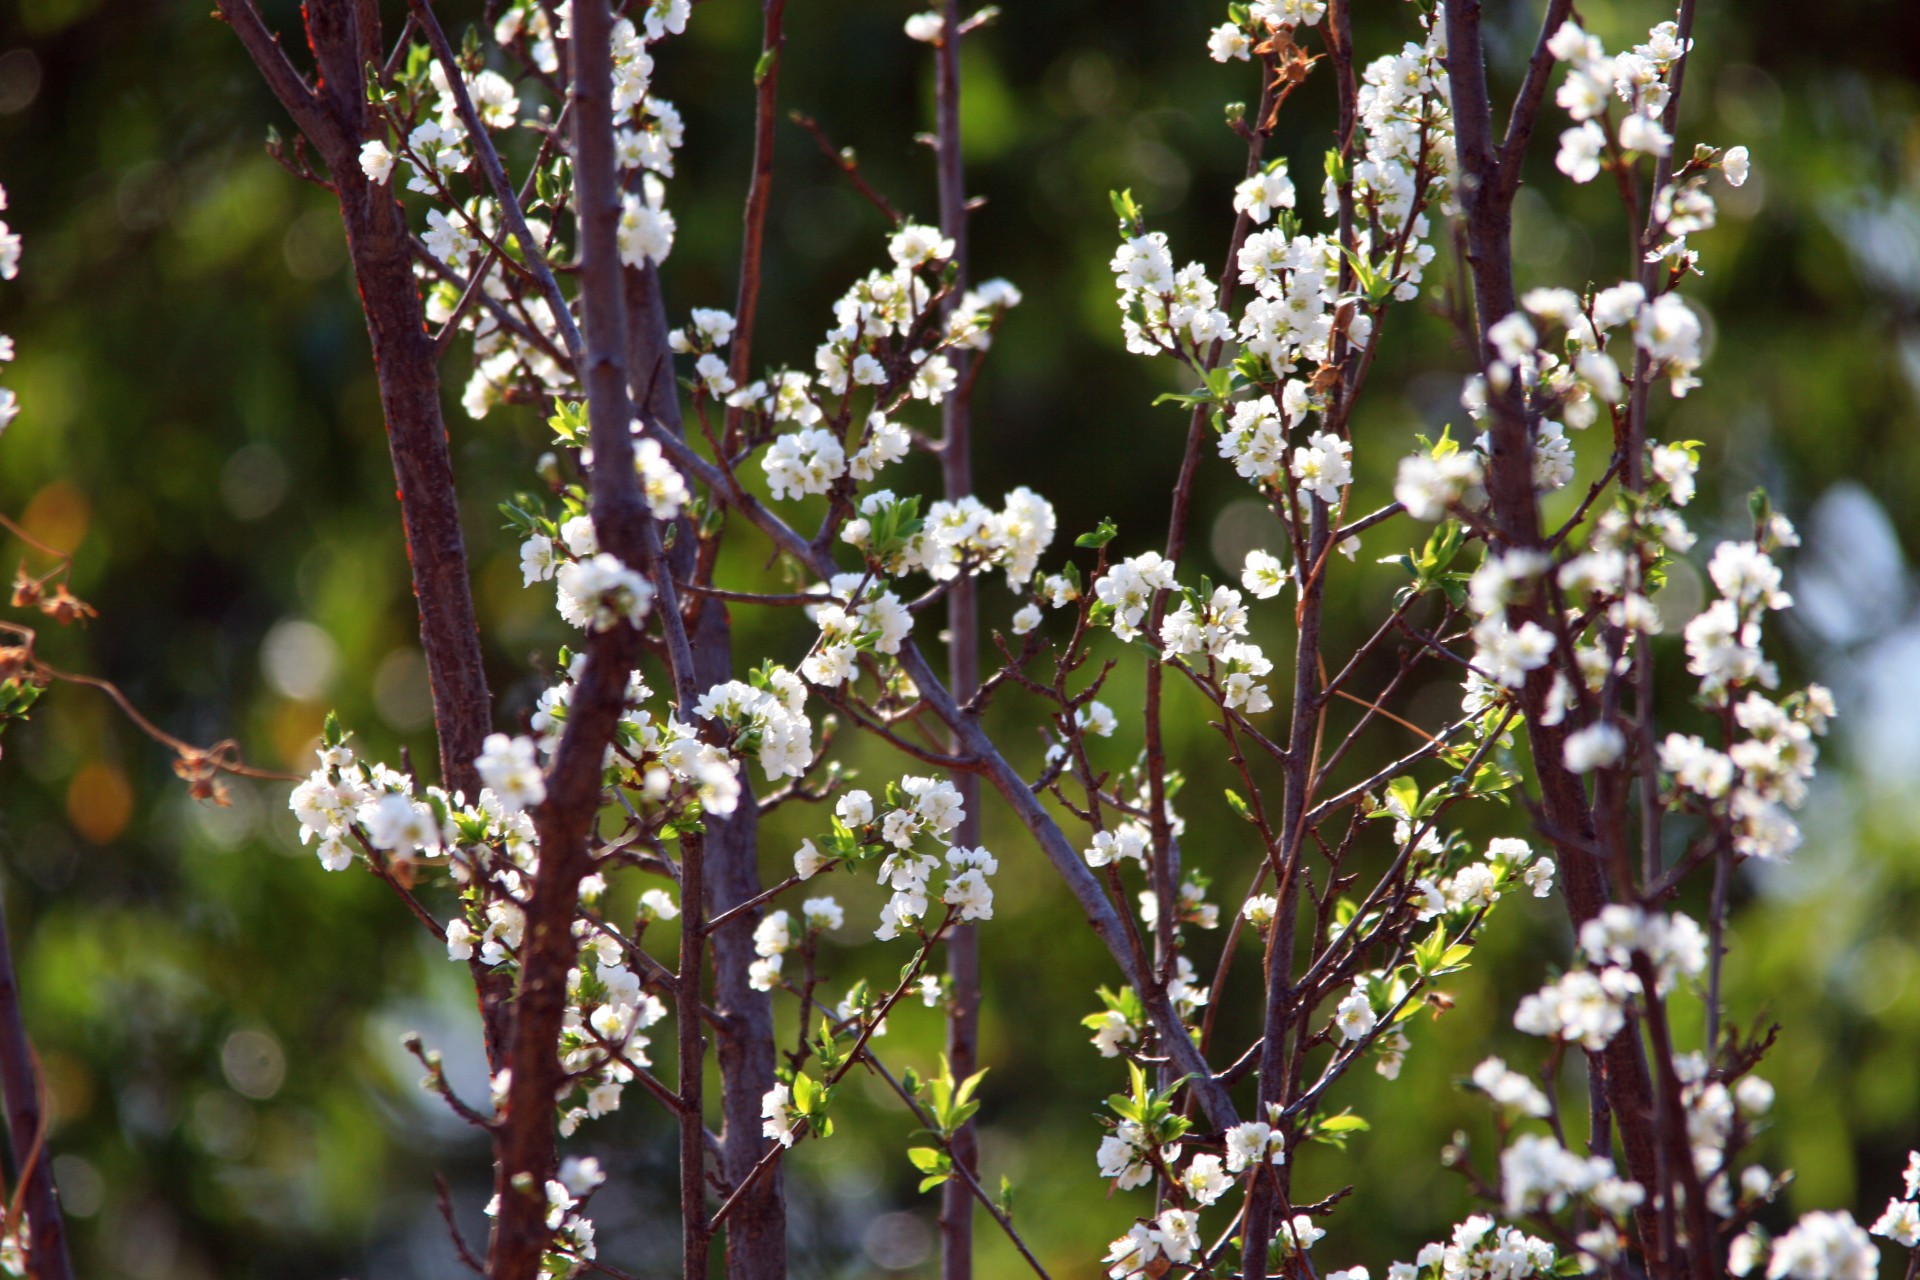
(1486,206)
(963,659)
(524,1148)
(335,118)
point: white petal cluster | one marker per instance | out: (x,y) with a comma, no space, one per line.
(804,462)
(861,617)
(1537,1173)
(776,1108)
(772,939)
(600,592)
(769,722)
(1128,588)
(1406,121)
(1900,1222)
(1481,1249)
(508,768)
(1265,192)
(1253,1142)
(9,269)
(1128,840)
(1584,1006)
(1824,1246)
(1429,485)
(1640,78)
(931,808)
(1151,1248)
(1509,1090)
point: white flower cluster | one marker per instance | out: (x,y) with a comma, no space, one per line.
(1583,1005)
(672,767)
(769,721)
(648,132)
(777,1109)
(930,807)
(344,799)
(773,938)
(1406,120)
(872,344)
(1640,78)
(862,617)
(1152,1248)
(1212,628)
(1589,1005)
(1821,1246)
(1763,775)
(594,586)
(1537,1173)
(508,768)
(1291,320)
(1480,1249)
(601,1042)
(1507,654)
(1164,310)
(1900,1222)
(1128,588)
(1478,885)
(1231,40)
(1128,840)
(1432,483)
(9,269)
(1509,1090)
(963,533)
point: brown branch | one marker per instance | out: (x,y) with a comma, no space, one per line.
(286,82)
(460,1248)
(525,1154)
(843,159)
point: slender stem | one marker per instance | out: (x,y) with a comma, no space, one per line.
(972,1182)
(27,1128)
(759,193)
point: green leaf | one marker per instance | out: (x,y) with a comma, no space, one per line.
(1238,805)
(930,1160)
(1100,537)
(1407,792)
(1335,1130)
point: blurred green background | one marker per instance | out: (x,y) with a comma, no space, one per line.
(219,1020)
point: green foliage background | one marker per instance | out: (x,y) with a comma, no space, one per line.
(218,1019)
